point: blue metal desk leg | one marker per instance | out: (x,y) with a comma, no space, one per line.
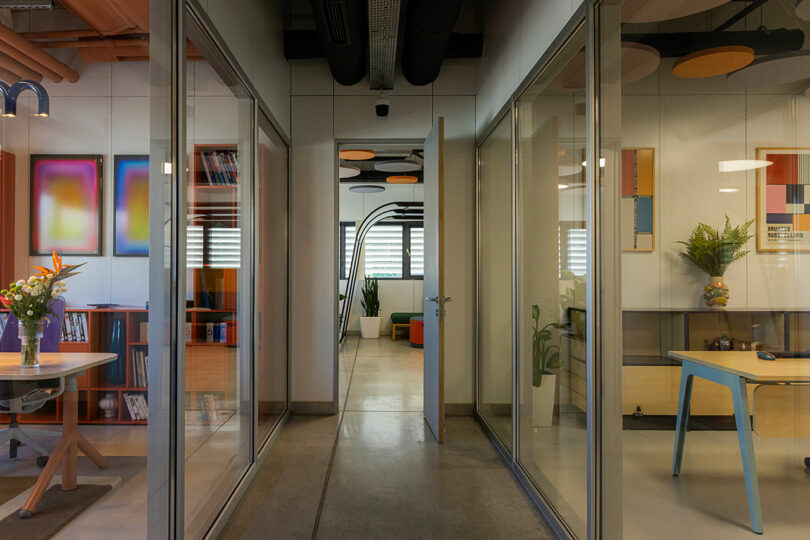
(684,401)
(743,419)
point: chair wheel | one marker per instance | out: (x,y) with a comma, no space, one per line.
(25,514)
(42,461)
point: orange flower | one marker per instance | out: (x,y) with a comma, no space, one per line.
(57,263)
(5,301)
(43,271)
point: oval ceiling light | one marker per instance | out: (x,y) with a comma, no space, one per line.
(397,166)
(773,70)
(713,61)
(637,61)
(367,188)
(646,11)
(349,171)
(401,179)
(568,170)
(356,155)
(734,165)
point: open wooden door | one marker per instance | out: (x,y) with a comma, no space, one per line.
(435,300)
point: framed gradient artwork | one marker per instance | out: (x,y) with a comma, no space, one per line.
(131,217)
(783,199)
(638,199)
(66,204)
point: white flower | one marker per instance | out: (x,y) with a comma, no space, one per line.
(20,283)
(55,294)
(29,313)
(18,297)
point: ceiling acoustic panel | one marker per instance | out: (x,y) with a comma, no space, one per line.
(647,11)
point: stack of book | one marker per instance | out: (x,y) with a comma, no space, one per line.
(140,368)
(136,404)
(219,167)
(74,327)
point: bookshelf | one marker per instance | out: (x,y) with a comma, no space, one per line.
(7,203)
(96,382)
(212,329)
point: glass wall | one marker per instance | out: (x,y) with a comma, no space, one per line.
(495,280)
(219,296)
(271,232)
(713,111)
(552,269)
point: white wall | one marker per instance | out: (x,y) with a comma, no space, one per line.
(396,295)
(516,34)
(253,31)
(323,111)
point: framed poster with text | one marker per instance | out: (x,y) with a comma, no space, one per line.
(783,200)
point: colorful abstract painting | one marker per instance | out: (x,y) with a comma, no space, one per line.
(638,199)
(131,228)
(783,200)
(66,204)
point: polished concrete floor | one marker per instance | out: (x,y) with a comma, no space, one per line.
(375,471)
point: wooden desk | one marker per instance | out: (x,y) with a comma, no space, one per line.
(57,366)
(734,369)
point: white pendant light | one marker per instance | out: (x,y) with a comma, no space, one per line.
(735,165)
(772,70)
(349,171)
(397,166)
(367,188)
(647,11)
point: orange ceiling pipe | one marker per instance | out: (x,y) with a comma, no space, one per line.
(21,71)
(29,54)
(115,54)
(8,77)
(83,43)
(112,17)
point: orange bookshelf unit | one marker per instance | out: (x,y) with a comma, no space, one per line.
(95,384)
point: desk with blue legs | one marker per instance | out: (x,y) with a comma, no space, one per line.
(734,369)
(65,366)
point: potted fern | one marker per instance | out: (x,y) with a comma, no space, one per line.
(713,251)
(545,357)
(370,302)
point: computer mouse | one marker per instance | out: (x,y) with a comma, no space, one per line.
(762,355)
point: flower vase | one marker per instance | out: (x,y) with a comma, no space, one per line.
(108,404)
(30,336)
(715,293)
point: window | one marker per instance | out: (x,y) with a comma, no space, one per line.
(393,250)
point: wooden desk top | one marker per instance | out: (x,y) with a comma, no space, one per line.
(51,365)
(746,364)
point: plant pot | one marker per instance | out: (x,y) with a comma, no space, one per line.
(370,327)
(715,293)
(543,401)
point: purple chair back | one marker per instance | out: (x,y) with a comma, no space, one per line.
(52,335)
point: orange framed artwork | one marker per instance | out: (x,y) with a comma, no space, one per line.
(638,199)
(783,200)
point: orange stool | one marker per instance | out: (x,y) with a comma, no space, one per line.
(417,332)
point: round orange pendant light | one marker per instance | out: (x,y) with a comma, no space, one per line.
(714,61)
(356,155)
(402,179)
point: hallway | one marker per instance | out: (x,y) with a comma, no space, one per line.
(375,471)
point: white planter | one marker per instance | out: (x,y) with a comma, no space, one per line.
(543,401)
(370,327)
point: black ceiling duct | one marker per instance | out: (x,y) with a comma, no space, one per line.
(428,27)
(763,41)
(342,27)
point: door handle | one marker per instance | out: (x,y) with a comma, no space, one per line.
(432,299)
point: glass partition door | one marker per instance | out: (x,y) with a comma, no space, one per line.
(217,401)
(495,280)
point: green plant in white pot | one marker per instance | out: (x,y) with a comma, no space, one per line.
(713,251)
(370,302)
(545,357)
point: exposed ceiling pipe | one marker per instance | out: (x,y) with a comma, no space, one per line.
(84,43)
(763,41)
(428,28)
(342,27)
(59,34)
(8,77)
(112,17)
(20,70)
(29,54)
(383,29)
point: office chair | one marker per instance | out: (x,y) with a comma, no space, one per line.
(20,397)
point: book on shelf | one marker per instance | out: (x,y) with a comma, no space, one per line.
(137,406)
(140,368)
(74,327)
(219,167)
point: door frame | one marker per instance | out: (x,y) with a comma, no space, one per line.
(336,256)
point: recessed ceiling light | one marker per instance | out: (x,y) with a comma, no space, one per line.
(356,155)
(735,165)
(728,190)
(601,162)
(713,61)
(562,186)
(401,179)
(367,188)
(349,171)
(397,166)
